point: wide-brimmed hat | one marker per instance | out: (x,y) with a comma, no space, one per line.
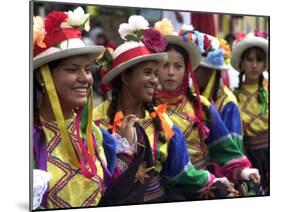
(59,36)
(183,38)
(245,41)
(141,44)
(129,54)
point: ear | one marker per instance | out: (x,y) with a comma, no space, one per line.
(124,78)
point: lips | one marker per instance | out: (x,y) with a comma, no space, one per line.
(150,89)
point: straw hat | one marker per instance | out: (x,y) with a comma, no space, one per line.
(128,54)
(244,42)
(59,36)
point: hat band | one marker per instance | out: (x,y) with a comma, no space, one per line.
(130,54)
(58,37)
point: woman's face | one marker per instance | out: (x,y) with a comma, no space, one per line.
(172,72)
(142,81)
(253,66)
(202,76)
(73,80)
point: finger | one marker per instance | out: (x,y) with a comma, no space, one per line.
(126,119)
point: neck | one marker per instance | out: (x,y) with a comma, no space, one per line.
(129,105)
(251,82)
(47,113)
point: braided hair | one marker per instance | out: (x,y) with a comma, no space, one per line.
(149,106)
(216,85)
(188,92)
(260,57)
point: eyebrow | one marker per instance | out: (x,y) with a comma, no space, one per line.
(77,65)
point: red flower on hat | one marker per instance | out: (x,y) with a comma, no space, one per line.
(154,41)
(240,36)
(54,20)
(207,43)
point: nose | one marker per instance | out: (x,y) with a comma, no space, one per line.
(254,64)
(84,75)
(171,71)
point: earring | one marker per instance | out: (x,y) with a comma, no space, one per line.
(43,87)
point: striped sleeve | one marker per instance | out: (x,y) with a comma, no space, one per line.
(178,169)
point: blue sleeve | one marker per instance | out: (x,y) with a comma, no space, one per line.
(217,127)
(178,169)
(231,117)
(178,156)
(109,145)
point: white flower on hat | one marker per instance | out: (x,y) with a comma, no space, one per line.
(79,18)
(38,31)
(186,27)
(135,23)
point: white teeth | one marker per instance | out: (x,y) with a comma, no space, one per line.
(80,89)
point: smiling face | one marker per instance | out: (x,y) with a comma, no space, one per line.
(171,74)
(253,63)
(73,79)
(142,81)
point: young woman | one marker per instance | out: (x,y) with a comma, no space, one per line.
(250,58)
(73,159)
(161,152)
(208,139)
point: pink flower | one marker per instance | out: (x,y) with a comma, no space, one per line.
(240,36)
(261,34)
(154,41)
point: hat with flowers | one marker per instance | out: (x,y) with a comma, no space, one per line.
(185,38)
(59,36)
(245,41)
(141,43)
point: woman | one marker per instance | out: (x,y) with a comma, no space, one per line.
(206,134)
(161,152)
(250,58)
(73,159)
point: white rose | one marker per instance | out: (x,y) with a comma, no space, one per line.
(135,22)
(79,18)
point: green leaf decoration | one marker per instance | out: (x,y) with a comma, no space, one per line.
(131,38)
(139,34)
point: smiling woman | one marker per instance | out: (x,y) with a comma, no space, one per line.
(73,159)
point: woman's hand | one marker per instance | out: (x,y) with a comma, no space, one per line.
(230,186)
(127,128)
(251,174)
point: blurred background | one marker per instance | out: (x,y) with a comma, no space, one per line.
(105,21)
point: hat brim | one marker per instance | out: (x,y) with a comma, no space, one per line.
(207,65)
(245,44)
(189,46)
(53,54)
(161,58)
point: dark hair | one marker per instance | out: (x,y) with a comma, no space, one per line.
(216,85)
(149,106)
(188,93)
(37,88)
(261,56)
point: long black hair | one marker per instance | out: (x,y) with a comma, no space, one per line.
(188,93)
(260,57)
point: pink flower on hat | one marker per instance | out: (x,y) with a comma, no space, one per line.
(240,36)
(261,34)
(153,40)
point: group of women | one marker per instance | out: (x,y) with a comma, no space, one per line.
(169,131)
